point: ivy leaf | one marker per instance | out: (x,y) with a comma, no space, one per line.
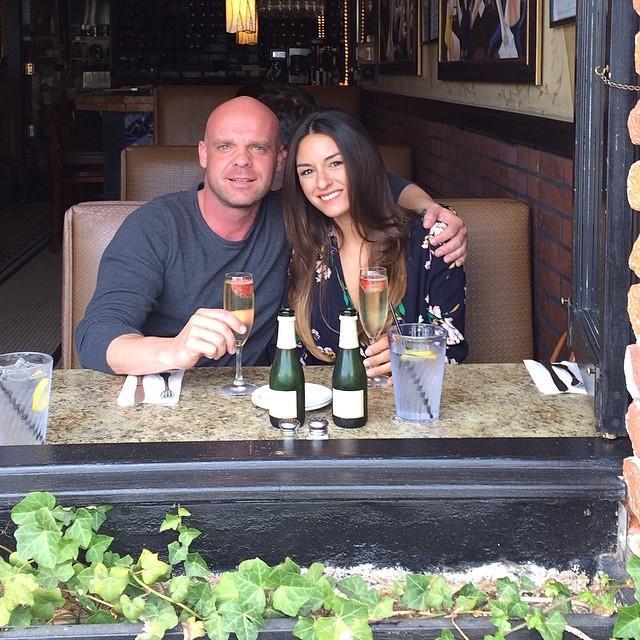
(295,592)
(111,559)
(45,603)
(81,530)
(468,598)
(446,634)
(132,609)
(235,589)
(109,584)
(628,622)
(38,538)
(236,620)
(171,521)
(50,577)
(188,535)
(100,617)
(213,625)
(19,591)
(304,629)
(384,609)
(284,568)
(20,618)
(205,603)
(99,544)
(195,566)
(633,569)
(315,571)
(183,513)
(509,593)
(5,614)
(356,588)
(159,616)
(179,588)
(177,553)
(68,550)
(550,628)
(26,509)
(258,572)
(500,616)
(527,584)
(349,625)
(555,589)
(426,591)
(65,515)
(99,515)
(152,568)
(192,628)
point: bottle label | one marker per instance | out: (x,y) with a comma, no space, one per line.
(283,404)
(348,404)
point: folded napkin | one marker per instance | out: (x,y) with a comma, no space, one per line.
(567,372)
(154,389)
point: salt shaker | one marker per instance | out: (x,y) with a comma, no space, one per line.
(288,427)
(318,429)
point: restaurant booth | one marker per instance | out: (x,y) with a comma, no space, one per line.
(506,474)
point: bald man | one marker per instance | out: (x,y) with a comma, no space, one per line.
(158,300)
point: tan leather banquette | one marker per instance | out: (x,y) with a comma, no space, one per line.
(499,301)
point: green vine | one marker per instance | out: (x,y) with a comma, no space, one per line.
(63,571)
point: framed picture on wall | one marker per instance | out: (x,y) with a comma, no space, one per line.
(429,20)
(490,40)
(561,12)
(398,36)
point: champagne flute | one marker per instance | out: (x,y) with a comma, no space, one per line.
(239,299)
(374,296)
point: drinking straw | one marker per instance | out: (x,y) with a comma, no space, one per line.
(411,370)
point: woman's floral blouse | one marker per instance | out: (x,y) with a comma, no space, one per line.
(435,293)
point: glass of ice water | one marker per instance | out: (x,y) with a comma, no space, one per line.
(417,366)
(25,385)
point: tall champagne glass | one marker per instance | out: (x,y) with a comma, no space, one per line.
(239,299)
(374,296)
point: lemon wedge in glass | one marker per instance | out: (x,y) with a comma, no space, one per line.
(414,353)
(40,398)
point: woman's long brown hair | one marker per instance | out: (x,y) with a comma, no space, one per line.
(377,219)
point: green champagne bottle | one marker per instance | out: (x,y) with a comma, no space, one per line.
(286,379)
(349,377)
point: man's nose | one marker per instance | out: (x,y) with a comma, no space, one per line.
(242,158)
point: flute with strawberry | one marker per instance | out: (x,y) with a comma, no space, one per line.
(374,300)
(239,299)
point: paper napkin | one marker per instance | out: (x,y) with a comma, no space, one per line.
(154,388)
(545,383)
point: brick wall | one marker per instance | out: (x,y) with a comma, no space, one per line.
(451,161)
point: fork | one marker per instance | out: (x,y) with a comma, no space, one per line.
(166,393)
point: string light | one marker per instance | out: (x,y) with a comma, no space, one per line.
(345,31)
(320,26)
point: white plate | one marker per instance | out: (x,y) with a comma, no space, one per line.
(315,396)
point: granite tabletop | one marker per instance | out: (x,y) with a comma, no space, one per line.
(479,401)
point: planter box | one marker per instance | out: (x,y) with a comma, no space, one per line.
(595,627)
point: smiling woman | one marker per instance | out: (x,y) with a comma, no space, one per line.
(340,217)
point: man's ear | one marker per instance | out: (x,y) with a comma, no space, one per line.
(282,156)
(202,154)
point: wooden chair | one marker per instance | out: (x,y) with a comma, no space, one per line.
(70,166)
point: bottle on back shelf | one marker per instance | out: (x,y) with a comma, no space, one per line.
(286,379)
(349,377)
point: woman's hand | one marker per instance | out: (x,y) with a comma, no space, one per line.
(378,360)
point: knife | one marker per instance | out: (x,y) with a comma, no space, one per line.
(561,386)
(138,394)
